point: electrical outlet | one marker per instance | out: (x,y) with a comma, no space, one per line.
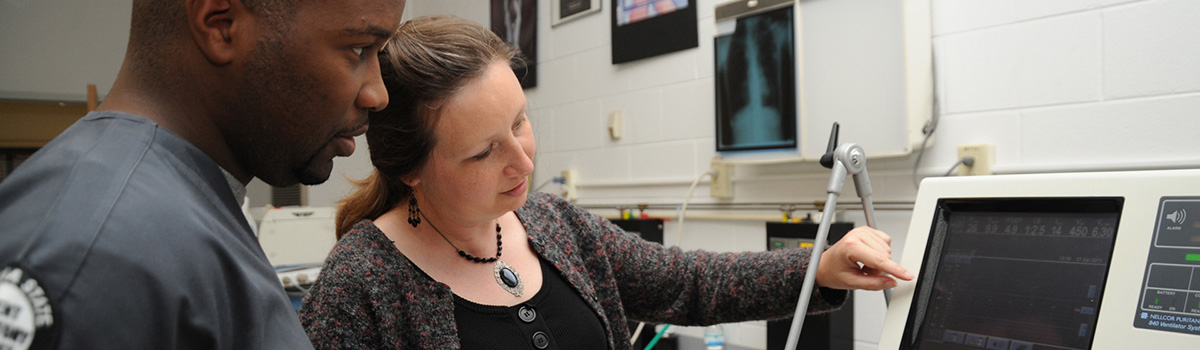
(984,155)
(614,125)
(569,190)
(722,179)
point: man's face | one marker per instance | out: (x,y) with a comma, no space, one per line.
(305,91)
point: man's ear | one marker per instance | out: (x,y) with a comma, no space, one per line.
(218,27)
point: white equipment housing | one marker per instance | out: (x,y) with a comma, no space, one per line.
(1051,261)
(297,235)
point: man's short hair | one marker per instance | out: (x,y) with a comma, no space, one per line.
(156,22)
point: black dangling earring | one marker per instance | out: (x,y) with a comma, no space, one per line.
(414,213)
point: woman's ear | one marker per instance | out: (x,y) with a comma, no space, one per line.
(411,180)
(219,28)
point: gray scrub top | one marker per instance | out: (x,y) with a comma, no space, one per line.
(122,235)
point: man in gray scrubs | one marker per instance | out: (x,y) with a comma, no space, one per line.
(125,231)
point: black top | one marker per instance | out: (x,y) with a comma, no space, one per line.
(555,318)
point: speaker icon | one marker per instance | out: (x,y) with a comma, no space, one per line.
(1178,216)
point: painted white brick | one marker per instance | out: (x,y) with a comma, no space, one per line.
(661,70)
(688,110)
(579,35)
(889,163)
(547,165)
(355,167)
(542,121)
(1026,9)
(951,16)
(590,168)
(706,149)
(555,85)
(1001,129)
(1043,62)
(641,114)
(723,235)
(540,36)
(604,164)
(805,190)
(705,57)
(706,8)
(1158,128)
(664,160)
(941,86)
(896,187)
(580,125)
(717,235)
(596,76)
(1151,48)
(673,193)
(604,195)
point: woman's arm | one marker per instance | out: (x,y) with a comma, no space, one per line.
(669,285)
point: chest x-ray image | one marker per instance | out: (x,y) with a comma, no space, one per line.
(756,83)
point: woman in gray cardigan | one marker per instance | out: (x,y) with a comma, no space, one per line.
(442,247)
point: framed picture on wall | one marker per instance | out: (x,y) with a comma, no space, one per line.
(647,28)
(562,11)
(515,22)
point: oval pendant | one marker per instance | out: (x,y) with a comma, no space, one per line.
(508,278)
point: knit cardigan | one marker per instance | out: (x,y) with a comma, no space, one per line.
(370,296)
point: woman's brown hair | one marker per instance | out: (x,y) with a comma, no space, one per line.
(429,60)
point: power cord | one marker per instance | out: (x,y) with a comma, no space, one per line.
(968,161)
(932,124)
(557,179)
(930,127)
(683,208)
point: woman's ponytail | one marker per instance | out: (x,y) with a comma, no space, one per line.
(373,198)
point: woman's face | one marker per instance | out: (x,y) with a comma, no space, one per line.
(480,167)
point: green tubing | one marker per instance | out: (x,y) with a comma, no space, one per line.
(657,337)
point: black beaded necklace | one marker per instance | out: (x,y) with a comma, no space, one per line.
(506,276)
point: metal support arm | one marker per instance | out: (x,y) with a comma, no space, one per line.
(848,159)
